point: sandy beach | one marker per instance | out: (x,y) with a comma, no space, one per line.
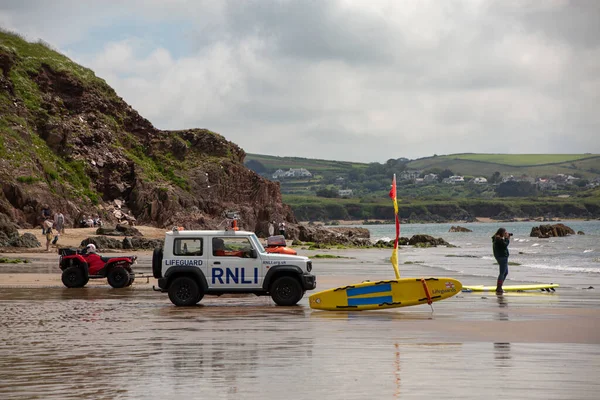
(541,345)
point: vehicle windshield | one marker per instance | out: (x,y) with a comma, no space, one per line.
(258,244)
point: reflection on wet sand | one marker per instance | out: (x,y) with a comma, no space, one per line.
(103,343)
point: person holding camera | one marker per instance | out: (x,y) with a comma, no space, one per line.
(500,243)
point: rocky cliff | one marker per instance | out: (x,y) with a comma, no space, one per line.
(69,141)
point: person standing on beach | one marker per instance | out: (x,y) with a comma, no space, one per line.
(500,243)
(282,228)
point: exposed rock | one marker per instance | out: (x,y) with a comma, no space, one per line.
(459,229)
(546,231)
(119,230)
(102,242)
(113,162)
(333,236)
(427,240)
(580,232)
(143,243)
(8,227)
(27,240)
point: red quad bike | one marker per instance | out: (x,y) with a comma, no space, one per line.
(78,267)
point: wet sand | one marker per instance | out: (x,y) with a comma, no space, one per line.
(97,342)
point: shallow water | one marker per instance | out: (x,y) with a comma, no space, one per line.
(103,343)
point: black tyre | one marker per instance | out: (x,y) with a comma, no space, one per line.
(286,291)
(184,291)
(73,277)
(131,279)
(157,257)
(118,277)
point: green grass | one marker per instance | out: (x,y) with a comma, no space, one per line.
(521,160)
(327,256)
(4,260)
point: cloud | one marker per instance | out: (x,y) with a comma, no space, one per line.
(348,80)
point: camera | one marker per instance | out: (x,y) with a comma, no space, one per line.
(510,234)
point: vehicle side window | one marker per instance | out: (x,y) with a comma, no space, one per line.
(191,247)
(231,247)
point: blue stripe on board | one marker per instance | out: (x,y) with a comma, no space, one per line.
(369,289)
(369,300)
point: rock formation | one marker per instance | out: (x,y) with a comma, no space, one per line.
(546,231)
(69,141)
(427,240)
(459,229)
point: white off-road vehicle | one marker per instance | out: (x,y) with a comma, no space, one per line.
(194,263)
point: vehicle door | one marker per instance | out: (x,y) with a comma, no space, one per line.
(231,264)
(188,251)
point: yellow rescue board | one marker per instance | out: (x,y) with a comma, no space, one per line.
(549,287)
(385,294)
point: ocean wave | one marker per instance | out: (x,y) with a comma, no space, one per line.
(488,258)
(588,250)
(535,244)
(562,268)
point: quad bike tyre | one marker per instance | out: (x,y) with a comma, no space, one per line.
(131,279)
(286,291)
(74,277)
(184,292)
(118,277)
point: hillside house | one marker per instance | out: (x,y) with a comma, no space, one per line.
(278,174)
(298,173)
(480,180)
(454,179)
(292,173)
(345,192)
(430,178)
(546,184)
(409,175)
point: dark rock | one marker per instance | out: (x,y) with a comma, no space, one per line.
(127,244)
(459,229)
(334,236)
(420,240)
(143,243)
(546,231)
(102,242)
(8,227)
(119,230)
(580,232)
(27,240)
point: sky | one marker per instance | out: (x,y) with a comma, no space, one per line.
(352,80)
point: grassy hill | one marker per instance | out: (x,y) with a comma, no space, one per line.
(534,165)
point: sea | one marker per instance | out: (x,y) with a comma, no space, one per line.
(571,261)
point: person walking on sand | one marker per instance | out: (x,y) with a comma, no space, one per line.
(49,237)
(500,242)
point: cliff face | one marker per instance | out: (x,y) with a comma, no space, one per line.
(67,140)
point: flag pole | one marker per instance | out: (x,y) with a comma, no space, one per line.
(394,258)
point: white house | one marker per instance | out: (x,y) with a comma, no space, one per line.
(297,173)
(454,179)
(345,192)
(480,180)
(278,174)
(409,175)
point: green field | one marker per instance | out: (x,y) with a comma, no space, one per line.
(315,166)
(521,160)
(533,165)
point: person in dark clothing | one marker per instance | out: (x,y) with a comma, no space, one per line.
(500,243)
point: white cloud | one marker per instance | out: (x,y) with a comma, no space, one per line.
(347,79)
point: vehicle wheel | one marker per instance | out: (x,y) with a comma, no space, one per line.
(286,291)
(73,277)
(184,291)
(157,258)
(118,277)
(131,279)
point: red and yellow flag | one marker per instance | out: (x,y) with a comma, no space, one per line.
(394,258)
